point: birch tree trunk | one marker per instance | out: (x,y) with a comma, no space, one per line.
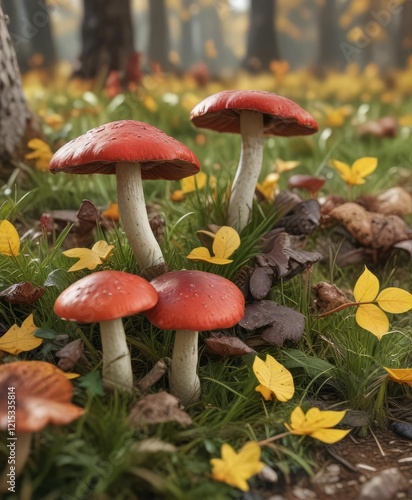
(14,112)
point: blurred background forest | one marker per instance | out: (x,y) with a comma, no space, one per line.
(212,38)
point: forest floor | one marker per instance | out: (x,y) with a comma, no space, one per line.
(375,467)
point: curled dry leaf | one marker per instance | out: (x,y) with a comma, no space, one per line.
(227,345)
(88,212)
(394,201)
(158,408)
(303,219)
(280,252)
(22,293)
(328,297)
(371,229)
(70,354)
(279,323)
(405,245)
(306,182)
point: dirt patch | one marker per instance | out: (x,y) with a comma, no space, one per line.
(350,464)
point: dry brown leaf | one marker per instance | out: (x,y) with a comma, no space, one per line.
(371,229)
(393,201)
(328,296)
(158,408)
(227,345)
(22,293)
(70,354)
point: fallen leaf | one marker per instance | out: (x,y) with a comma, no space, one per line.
(276,382)
(328,296)
(383,127)
(189,185)
(112,212)
(280,253)
(260,282)
(266,190)
(158,408)
(371,229)
(281,323)
(70,354)
(90,259)
(393,201)
(400,375)
(303,219)
(41,154)
(9,239)
(284,166)
(88,212)
(226,345)
(19,339)
(22,293)
(317,424)
(234,468)
(360,169)
(225,243)
(307,182)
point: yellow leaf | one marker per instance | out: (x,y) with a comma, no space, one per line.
(367,287)
(394,300)
(39,145)
(71,375)
(18,339)
(41,155)
(9,239)
(234,468)
(284,166)
(400,375)
(372,319)
(364,166)
(360,169)
(190,184)
(276,381)
(226,242)
(112,212)
(317,424)
(268,187)
(89,258)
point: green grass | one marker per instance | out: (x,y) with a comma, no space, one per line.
(336,361)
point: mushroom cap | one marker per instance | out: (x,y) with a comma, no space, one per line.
(196,300)
(42,395)
(104,296)
(101,148)
(281,116)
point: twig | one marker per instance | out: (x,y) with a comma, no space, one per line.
(155,374)
(378,443)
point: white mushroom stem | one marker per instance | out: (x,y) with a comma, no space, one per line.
(247,175)
(117,366)
(19,451)
(183,380)
(132,208)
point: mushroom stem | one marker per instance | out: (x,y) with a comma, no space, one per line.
(247,175)
(183,380)
(133,213)
(19,455)
(117,366)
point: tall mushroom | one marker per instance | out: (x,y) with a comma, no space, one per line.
(253,114)
(107,297)
(133,151)
(189,302)
(33,394)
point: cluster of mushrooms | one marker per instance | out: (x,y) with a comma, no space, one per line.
(185,301)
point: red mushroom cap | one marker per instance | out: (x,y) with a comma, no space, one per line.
(98,150)
(195,300)
(281,116)
(105,295)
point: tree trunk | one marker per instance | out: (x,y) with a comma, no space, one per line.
(107,38)
(187,52)
(329,53)
(262,47)
(14,112)
(158,51)
(404,49)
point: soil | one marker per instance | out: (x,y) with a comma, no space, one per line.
(348,466)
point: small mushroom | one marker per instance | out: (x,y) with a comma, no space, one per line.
(107,297)
(253,114)
(133,151)
(191,302)
(39,394)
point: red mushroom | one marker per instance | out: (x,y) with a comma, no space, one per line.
(253,114)
(189,302)
(132,150)
(106,297)
(40,394)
